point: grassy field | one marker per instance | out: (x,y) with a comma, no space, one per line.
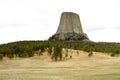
(80,67)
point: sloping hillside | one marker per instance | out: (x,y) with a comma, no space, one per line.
(80,67)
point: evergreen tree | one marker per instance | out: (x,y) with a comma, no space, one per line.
(50,50)
(57,53)
(1,57)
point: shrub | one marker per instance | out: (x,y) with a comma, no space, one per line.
(116,53)
(90,54)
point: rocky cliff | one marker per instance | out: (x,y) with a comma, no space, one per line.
(69,28)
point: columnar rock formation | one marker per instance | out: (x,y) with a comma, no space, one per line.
(69,28)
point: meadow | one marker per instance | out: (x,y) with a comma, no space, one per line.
(80,67)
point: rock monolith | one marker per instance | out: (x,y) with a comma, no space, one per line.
(70,28)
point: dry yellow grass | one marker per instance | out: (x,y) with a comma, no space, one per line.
(81,67)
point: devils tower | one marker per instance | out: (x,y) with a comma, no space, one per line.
(70,28)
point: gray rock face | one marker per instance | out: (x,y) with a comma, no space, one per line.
(69,28)
(69,23)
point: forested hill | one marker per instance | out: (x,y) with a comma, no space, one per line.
(28,48)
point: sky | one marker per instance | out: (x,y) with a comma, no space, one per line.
(39,19)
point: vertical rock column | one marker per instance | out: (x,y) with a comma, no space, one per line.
(69,28)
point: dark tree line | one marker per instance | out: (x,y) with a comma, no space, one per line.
(28,48)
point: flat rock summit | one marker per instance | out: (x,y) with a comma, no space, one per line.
(70,28)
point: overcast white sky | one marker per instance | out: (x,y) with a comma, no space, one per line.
(39,19)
